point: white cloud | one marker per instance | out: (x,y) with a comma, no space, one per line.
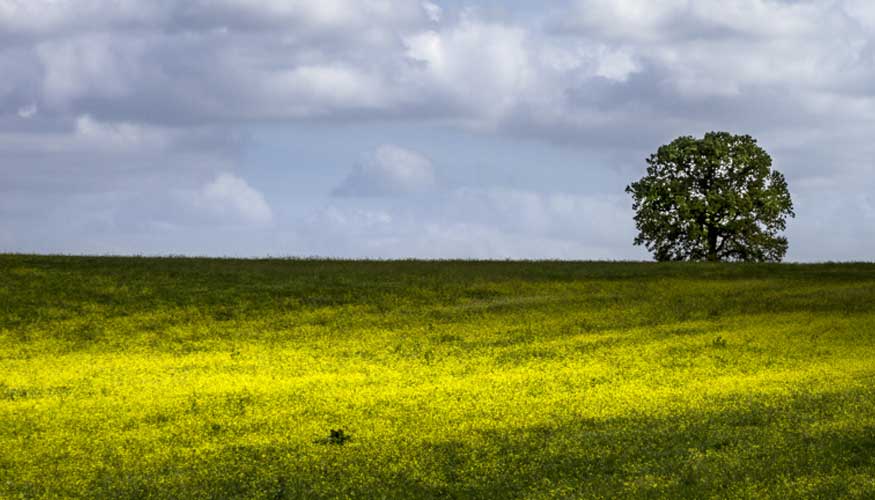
(327,15)
(433,11)
(89,66)
(475,223)
(50,18)
(232,197)
(317,90)
(46,18)
(391,170)
(86,135)
(487,84)
(119,95)
(721,48)
(28,111)
(668,20)
(242,60)
(606,219)
(127,137)
(491,75)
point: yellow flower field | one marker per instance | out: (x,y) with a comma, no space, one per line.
(211,378)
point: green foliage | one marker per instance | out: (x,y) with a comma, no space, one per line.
(337,437)
(719,342)
(213,378)
(715,198)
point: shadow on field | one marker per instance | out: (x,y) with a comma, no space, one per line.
(800,447)
(146,283)
(749,448)
(64,297)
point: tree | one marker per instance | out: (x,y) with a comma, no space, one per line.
(715,198)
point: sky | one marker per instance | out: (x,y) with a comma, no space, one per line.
(426,129)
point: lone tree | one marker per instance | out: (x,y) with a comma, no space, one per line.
(715,198)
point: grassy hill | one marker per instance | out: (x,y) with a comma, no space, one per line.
(215,378)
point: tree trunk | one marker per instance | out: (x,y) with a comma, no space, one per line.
(712,244)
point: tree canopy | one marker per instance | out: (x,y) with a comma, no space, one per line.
(716,198)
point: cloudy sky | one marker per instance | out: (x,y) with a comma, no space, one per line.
(393,128)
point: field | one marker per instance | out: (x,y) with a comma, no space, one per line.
(214,378)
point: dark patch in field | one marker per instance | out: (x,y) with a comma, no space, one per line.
(19,393)
(447,338)
(592,346)
(525,355)
(480,294)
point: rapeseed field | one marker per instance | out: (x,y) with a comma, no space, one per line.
(217,378)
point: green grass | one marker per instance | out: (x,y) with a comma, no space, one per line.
(212,378)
